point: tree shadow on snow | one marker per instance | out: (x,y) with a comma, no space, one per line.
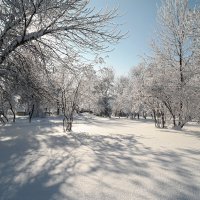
(192,133)
(40,164)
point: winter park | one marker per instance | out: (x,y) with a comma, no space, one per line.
(100,100)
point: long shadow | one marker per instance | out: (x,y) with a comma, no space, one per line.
(126,155)
(183,132)
(44,164)
(193,133)
(31,167)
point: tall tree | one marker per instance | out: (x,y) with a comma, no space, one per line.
(175,56)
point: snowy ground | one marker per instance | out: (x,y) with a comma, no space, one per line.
(103,159)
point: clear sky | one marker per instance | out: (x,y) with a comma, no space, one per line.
(139,19)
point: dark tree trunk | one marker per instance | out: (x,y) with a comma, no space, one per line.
(67,123)
(154,116)
(180,119)
(1,120)
(162,119)
(182,125)
(174,120)
(69,126)
(31,113)
(144,115)
(13,112)
(64,121)
(5,116)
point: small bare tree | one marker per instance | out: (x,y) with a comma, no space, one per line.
(70,99)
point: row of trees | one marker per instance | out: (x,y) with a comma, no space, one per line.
(167,83)
(38,38)
(41,69)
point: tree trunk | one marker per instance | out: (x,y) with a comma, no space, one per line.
(162,119)
(67,123)
(174,120)
(31,113)
(144,115)
(69,126)
(131,116)
(1,120)
(154,116)
(58,111)
(5,116)
(180,120)
(13,112)
(64,123)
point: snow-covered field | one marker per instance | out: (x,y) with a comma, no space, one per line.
(102,159)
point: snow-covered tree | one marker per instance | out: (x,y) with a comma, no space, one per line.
(120,103)
(36,35)
(104,90)
(56,26)
(175,61)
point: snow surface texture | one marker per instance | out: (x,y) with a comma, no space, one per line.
(102,159)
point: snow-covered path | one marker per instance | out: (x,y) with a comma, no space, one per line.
(103,159)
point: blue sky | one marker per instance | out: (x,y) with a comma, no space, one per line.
(139,19)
